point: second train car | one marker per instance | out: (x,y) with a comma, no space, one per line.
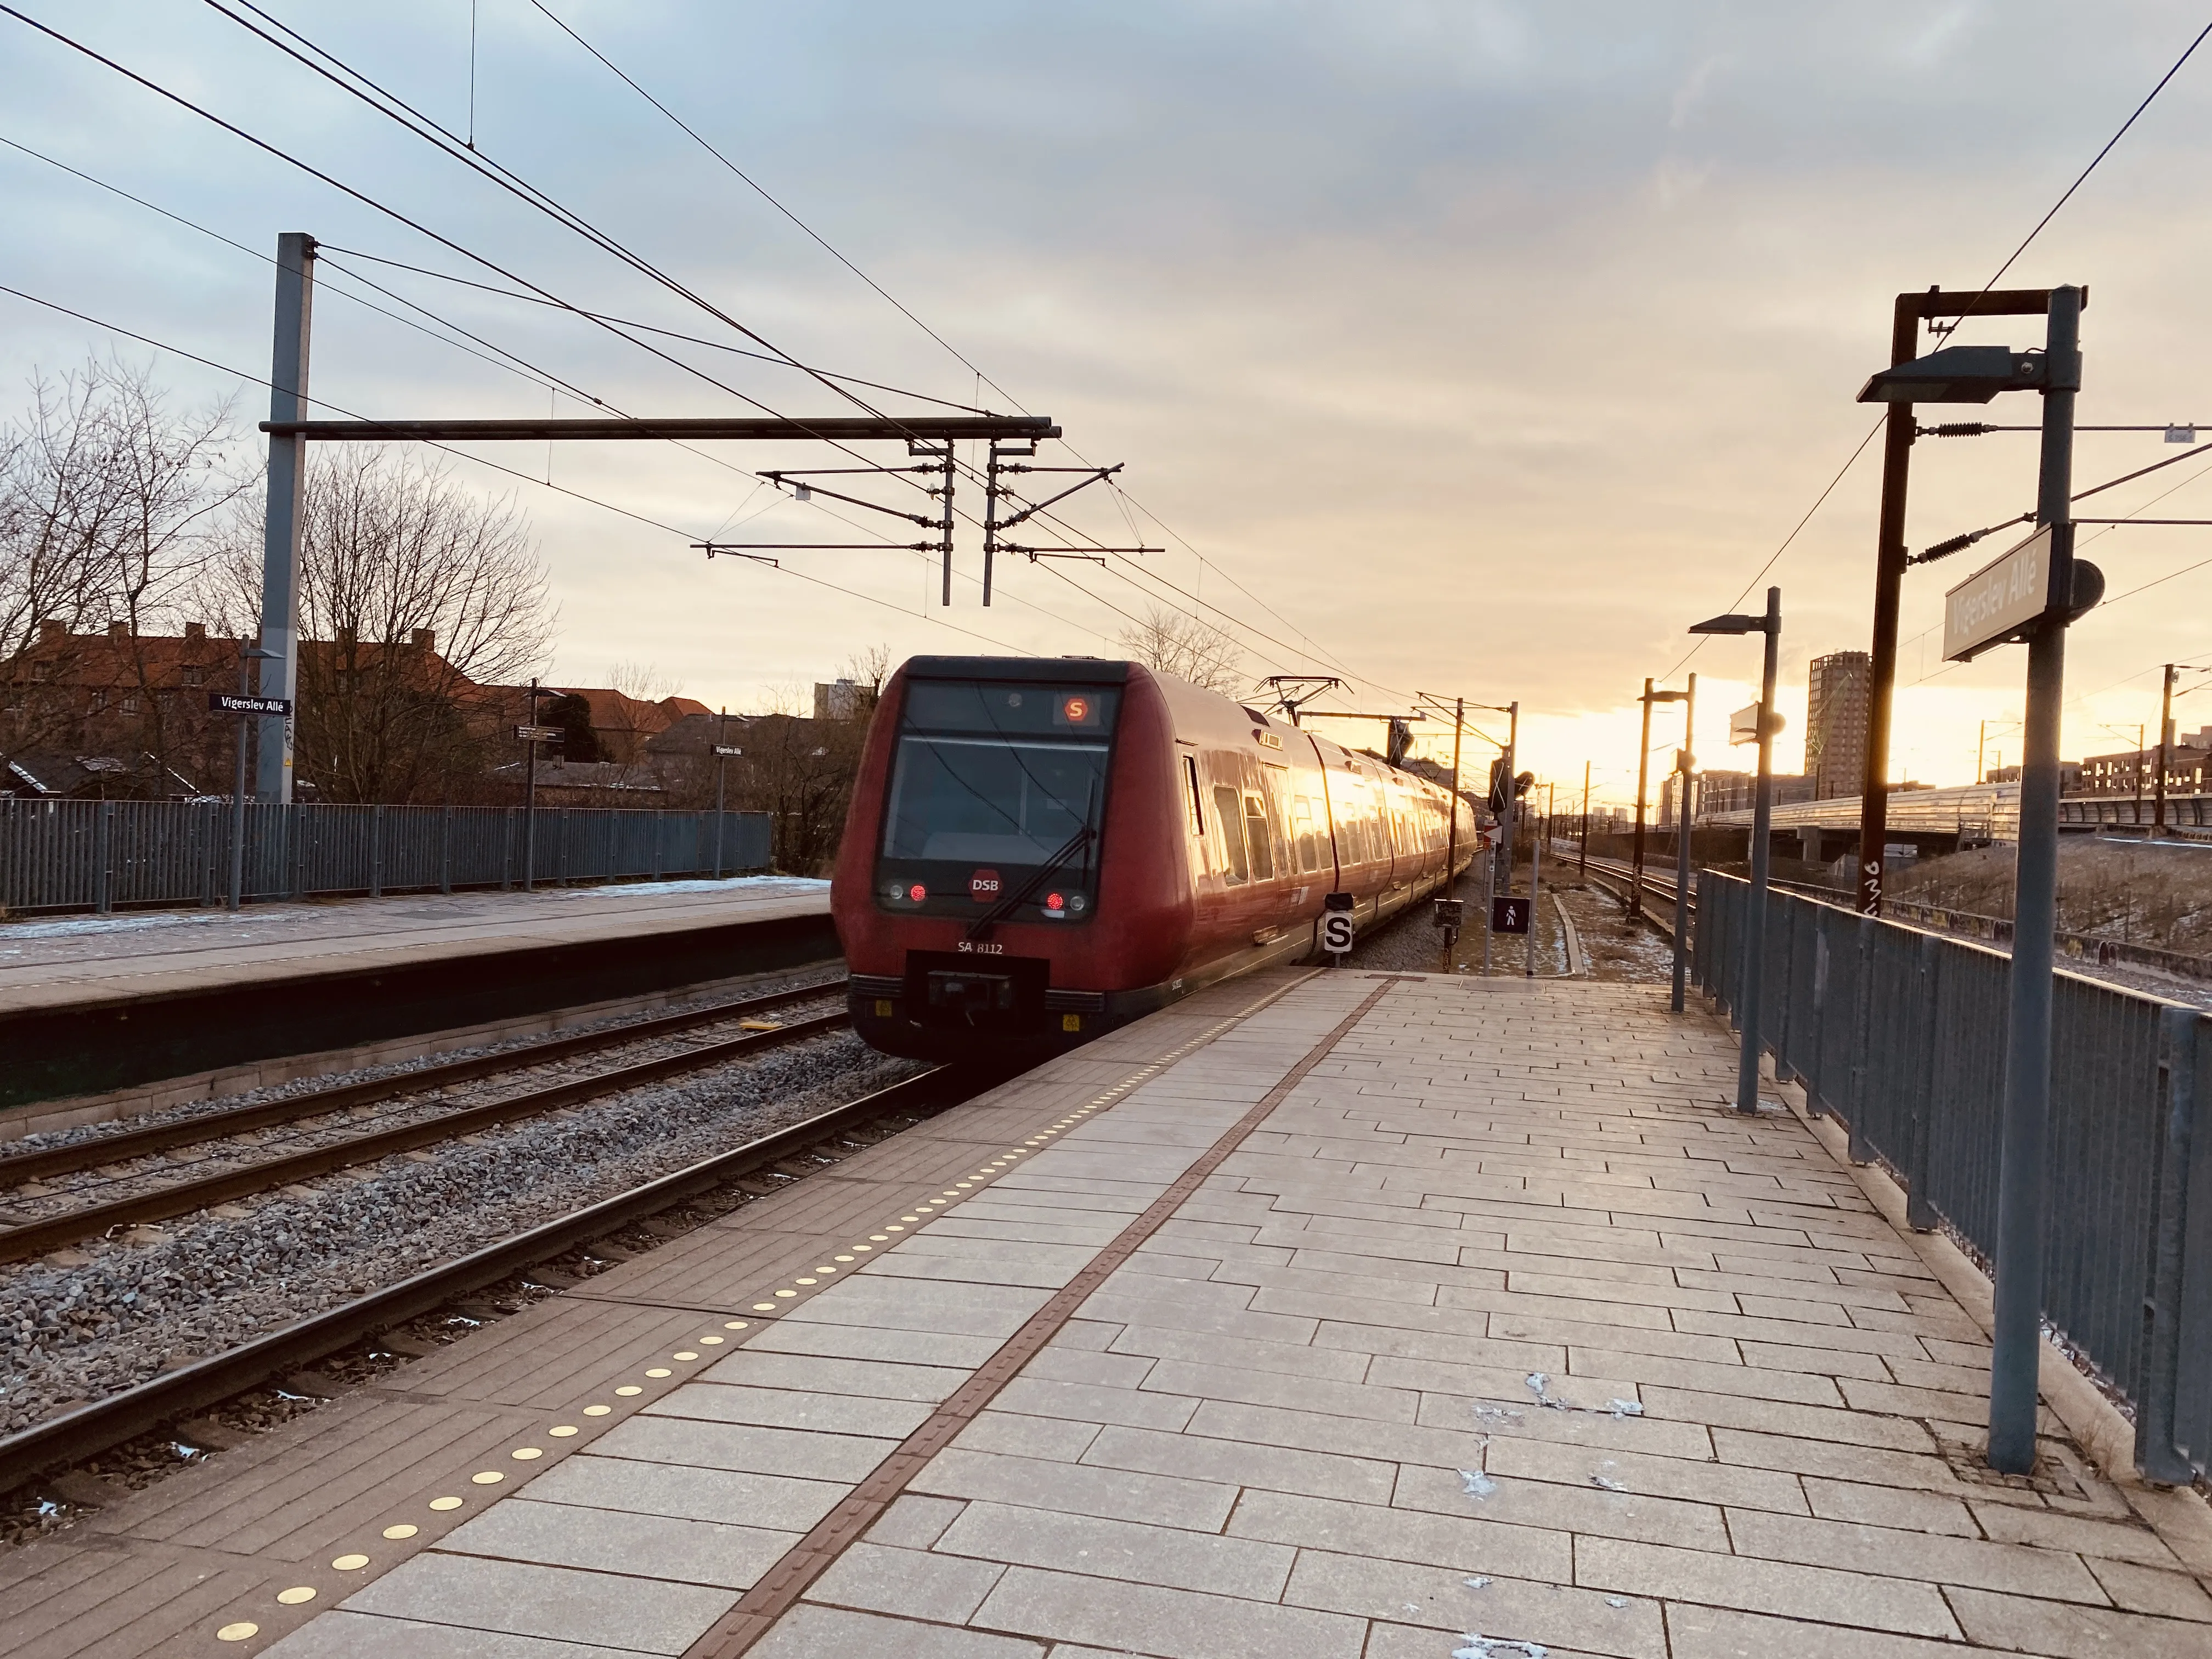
(1039,849)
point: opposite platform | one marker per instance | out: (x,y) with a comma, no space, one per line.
(88,1005)
(1346,1316)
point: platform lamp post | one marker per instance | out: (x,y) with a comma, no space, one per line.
(1686,769)
(1762,834)
(2166,738)
(2032,591)
(1642,788)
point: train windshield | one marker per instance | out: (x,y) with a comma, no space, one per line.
(996,788)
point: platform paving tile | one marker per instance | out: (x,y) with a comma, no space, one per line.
(2147,1589)
(342,1633)
(1559,1618)
(793,1408)
(1166,1623)
(811,1630)
(1702,1632)
(1297,1358)
(1566,1507)
(1754,1381)
(893,1346)
(1080,1489)
(641,1615)
(677,1550)
(1061,1439)
(1095,1403)
(1134,1552)
(783,1503)
(1757,1586)
(1897,1553)
(2019,1624)
(746,1449)
(913,1584)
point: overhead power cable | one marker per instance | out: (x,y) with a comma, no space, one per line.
(325,248)
(1121,494)
(758,189)
(560,489)
(396,109)
(1998,275)
(420,229)
(2067,195)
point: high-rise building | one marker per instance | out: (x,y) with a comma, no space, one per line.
(1836,725)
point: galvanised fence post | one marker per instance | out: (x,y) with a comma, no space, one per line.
(1861,1147)
(102,841)
(2192,1403)
(1819,1011)
(1928,1032)
(2158,1451)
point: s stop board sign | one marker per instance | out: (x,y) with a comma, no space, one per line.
(1509,914)
(1336,933)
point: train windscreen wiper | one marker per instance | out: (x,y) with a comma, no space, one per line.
(980,929)
(1079,842)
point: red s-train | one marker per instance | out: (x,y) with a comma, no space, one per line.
(1039,849)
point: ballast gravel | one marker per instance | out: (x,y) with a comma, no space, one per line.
(72,1330)
(400,1069)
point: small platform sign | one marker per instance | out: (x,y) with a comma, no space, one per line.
(223,702)
(1338,933)
(728,750)
(1743,726)
(1509,912)
(2012,591)
(540,733)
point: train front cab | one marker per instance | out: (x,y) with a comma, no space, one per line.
(983,910)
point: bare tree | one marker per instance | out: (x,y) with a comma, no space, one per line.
(644,681)
(1187,646)
(109,506)
(800,772)
(868,669)
(413,594)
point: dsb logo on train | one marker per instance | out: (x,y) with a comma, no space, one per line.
(983,886)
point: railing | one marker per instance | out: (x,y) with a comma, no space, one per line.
(1900,1035)
(99,855)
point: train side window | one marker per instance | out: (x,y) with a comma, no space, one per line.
(1197,798)
(1228,807)
(1303,812)
(1255,834)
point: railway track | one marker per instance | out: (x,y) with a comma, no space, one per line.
(89,1430)
(37,1236)
(1617,877)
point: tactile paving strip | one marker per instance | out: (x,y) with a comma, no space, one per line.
(780,1588)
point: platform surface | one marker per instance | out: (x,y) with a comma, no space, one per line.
(74,960)
(1341,1317)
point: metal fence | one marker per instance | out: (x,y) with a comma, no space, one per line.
(1900,1035)
(99,855)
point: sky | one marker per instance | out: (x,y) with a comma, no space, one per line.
(1472,350)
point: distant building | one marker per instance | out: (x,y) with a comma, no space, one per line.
(844,700)
(1732,791)
(2131,771)
(1836,723)
(2070,777)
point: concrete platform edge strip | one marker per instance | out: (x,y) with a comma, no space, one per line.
(780,1588)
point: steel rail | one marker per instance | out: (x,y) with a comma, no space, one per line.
(102,1424)
(1619,870)
(119,1148)
(36,1237)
